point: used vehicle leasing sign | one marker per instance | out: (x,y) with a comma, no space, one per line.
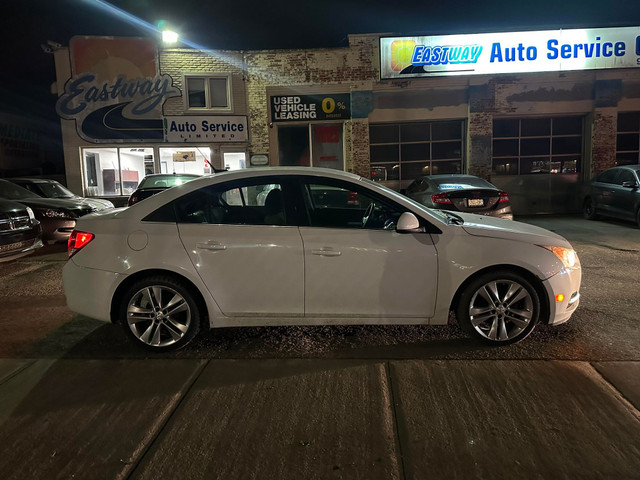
(513,52)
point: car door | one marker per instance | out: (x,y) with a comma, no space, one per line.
(360,270)
(603,191)
(622,198)
(245,246)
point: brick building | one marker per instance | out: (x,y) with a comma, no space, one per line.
(536,113)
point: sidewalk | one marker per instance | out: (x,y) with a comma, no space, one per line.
(307,419)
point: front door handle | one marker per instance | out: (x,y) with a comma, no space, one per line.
(211,245)
(326,252)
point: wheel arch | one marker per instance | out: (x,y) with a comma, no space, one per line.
(528,275)
(134,277)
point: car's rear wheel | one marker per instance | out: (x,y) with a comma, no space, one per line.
(589,209)
(499,308)
(160,313)
(638,217)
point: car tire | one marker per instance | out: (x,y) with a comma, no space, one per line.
(589,209)
(160,313)
(498,308)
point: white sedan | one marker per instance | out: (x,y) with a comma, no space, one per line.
(306,246)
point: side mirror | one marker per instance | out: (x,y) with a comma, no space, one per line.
(629,184)
(408,223)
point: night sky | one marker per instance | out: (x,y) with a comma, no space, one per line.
(27,71)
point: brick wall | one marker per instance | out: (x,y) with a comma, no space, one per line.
(253,72)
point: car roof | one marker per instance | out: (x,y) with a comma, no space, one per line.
(152,203)
(174,174)
(32,180)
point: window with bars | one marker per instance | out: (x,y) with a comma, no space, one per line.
(208,92)
(628,139)
(537,145)
(406,151)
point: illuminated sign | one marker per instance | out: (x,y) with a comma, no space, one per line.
(222,128)
(295,108)
(514,52)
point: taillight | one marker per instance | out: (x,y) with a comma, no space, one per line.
(78,240)
(441,198)
(504,197)
(133,199)
(353,199)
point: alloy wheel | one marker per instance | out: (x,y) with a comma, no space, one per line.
(501,310)
(158,316)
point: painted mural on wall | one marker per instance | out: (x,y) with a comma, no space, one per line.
(115,92)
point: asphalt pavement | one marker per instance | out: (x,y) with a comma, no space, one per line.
(78,401)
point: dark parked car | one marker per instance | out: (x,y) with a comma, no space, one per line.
(43,187)
(20,232)
(614,193)
(156,183)
(57,215)
(462,193)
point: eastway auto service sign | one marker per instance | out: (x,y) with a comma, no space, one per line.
(514,52)
(222,129)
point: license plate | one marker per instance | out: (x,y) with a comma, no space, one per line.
(476,202)
(15,246)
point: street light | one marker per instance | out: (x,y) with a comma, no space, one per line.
(169,37)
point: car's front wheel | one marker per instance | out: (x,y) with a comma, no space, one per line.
(499,308)
(160,313)
(589,209)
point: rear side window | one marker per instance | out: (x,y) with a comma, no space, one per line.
(164,214)
(255,203)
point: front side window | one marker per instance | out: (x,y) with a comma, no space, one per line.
(608,176)
(208,92)
(334,204)
(247,203)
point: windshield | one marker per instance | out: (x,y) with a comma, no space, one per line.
(165,181)
(54,190)
(12,191)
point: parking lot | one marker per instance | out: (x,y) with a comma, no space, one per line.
(77,399)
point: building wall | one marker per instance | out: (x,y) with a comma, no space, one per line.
(597,95)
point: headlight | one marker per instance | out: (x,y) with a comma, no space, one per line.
(53,213)
(32,217)
(567,256)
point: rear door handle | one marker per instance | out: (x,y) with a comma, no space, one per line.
(326,252)
(211,245)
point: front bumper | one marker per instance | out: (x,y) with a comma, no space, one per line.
(56,230)
(566,283)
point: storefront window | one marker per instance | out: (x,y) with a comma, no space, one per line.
(537,145)
(115,171)
(185,159)
(325,150)
(402,152)
(628,140)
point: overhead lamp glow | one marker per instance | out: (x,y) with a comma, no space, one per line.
(169,37)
